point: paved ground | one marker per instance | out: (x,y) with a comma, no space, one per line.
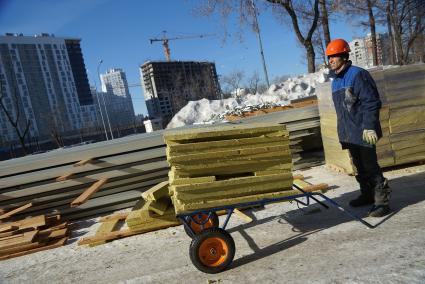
(284,245)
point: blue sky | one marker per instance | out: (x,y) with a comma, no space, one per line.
(118,32)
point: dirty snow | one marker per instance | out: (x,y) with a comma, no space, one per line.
(206,111)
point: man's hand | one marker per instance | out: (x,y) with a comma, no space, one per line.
(370,137)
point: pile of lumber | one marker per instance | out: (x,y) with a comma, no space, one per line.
(228,164)
(25,236)
(402,117)
(86,180)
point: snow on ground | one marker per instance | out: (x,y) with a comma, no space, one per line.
(206,111)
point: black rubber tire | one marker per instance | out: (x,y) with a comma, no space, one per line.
(213,218)
(207,235)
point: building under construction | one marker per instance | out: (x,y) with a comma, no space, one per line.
(169,86)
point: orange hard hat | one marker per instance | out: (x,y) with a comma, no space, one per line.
(337,46)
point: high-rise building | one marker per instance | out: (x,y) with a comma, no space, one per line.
(44,82)
(117,97)
(169,86)
(362,53)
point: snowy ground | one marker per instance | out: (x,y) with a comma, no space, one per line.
(284,245)
(206,111)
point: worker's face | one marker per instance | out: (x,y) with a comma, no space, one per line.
(336,63)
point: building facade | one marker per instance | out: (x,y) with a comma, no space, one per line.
(169,86)
(362,53)
(117,98)
(43,83)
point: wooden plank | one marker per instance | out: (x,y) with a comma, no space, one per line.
(122,234)
(83,162)
(53,234)
(37,248)
(15,211)
(156,192)
(64,177)
(22,239)
(33,222)
(118,216)
(104,229)
(88,193)
(9,233)
(108,237)
(8,228)
(242,215)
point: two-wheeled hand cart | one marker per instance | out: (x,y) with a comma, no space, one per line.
(212,248)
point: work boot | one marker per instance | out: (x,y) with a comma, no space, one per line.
(382,199)
(362,200)
(379,211)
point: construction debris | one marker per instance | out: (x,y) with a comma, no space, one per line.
(30,235)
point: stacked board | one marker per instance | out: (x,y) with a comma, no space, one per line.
(228,164)
(402,118)
(31,235)
(405,94)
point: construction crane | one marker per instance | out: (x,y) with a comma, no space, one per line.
(166,39)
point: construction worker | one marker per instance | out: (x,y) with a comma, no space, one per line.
(357,105)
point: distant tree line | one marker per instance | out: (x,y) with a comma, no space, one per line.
(310,21)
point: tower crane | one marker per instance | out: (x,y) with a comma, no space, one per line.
(166,39)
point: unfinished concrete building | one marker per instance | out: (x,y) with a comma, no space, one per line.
(169,86)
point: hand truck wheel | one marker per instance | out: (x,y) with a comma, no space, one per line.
(199,223)
(212,250)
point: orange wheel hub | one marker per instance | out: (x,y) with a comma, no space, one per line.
(200,219)
(213,251)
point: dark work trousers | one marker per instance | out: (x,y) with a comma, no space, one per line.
(369,173)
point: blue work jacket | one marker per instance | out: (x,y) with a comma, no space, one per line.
(357,105)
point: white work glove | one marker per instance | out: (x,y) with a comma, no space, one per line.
(370,137)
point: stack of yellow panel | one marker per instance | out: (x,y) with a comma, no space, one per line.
(154,211)
(228,164)
(405,94)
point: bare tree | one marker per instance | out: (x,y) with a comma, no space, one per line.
(406,26)
(15,115)
(299,18)
(232,82)
(324,20)
(298,12)
(362,8)
(253,83)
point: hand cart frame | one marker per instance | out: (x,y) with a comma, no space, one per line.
(212,248)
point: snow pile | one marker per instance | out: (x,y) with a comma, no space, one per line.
(205,111)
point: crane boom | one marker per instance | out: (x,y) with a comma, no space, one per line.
(165,41)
